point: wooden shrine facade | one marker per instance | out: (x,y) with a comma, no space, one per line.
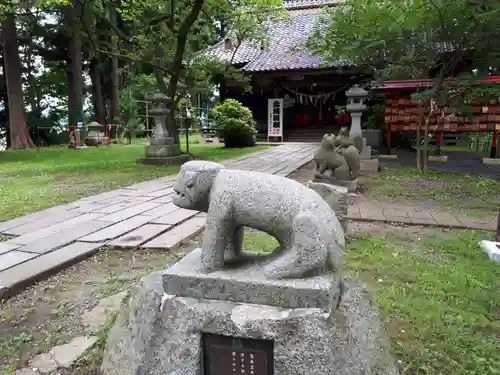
(308,100)
(294,92)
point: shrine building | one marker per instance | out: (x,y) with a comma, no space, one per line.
(295,96)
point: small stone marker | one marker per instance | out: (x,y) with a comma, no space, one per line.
(65,355)
(96,318)
(44,363)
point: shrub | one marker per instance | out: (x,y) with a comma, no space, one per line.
(234,123)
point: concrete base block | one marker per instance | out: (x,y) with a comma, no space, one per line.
(373,137)
(492,249)
(442,159)
(366,153)
(369,166)
(491,161)
(350,185)
(244,281)
(163,150)
(337,198)
(172,160)
(392,157)
(161,141)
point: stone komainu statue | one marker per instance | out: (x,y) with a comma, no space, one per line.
(338,157)
(310,236)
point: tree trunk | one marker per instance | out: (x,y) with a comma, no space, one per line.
(31,81)
(19,134)
(97,97)
(71,95)
(177,66)
(75,96)
(4,98)
(115,77)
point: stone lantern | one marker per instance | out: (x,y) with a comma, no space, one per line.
(356,97)
(162,150)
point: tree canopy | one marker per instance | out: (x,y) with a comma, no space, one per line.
(436,39)
(59,54)
(411,39)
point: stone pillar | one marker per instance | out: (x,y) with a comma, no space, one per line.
(356,97)
(162,149)
(355,124)
(79,142)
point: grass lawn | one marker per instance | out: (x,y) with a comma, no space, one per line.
(32,180)
(439,297)
(458,192)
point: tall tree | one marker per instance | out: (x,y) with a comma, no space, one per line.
(73,18)
(417,39)
(115,77)
(167,35)
(97,97)
(19,134)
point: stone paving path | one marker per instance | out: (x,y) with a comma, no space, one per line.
(140,215)
(143,216)
(362,209)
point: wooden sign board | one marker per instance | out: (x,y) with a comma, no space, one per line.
(225,355)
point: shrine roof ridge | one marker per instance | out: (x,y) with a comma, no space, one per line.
(284,51)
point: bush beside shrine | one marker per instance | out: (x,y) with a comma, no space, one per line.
(235,123)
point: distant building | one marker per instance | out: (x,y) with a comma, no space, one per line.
(294,94)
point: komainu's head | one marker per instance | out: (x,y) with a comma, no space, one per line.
(193,184)
(327,142)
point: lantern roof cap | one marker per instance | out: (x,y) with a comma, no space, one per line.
(356,91)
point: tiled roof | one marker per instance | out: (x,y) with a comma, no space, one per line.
(297,4)
(284,39)
(245,52)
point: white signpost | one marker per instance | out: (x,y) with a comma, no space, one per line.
(275,118)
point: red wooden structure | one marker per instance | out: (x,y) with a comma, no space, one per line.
(401,114)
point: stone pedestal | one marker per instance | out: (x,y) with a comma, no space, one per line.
(163,151)
(367,164)
(351,185)
(373,137)
(355,129)
(368,167)
(356,97)
(337,198)
(311,326)
(162,147)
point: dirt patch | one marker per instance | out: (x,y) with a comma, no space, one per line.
(49,313)
(303,174)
